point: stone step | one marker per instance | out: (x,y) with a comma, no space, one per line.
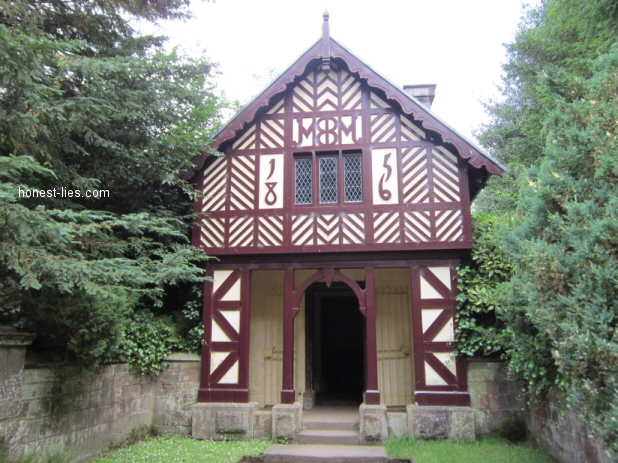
(324,453)
(329,437)
(332,424)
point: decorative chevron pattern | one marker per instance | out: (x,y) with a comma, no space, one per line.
(212,232)
(272,133)
(215,186)
(350,95)
(303,230)
(407,188)
(449,225)
(376,102)
(247,140)
(353,229)
(327,91)
(383,128)
(417,226)
(241,231)
(409,131)
(327,230)
(386,227)
(414,165)
(242,196)
(445,176)
(302,95)
(270,230)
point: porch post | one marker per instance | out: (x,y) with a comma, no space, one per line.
(225,343)
(288,394)
(372,394)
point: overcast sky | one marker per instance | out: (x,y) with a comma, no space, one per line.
(455,44)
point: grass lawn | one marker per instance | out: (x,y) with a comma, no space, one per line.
(481,451)
(180,449)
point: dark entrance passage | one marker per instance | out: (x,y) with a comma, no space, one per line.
(337,360)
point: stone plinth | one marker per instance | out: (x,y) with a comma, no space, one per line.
(223,421)
(12,356)
(373,424)
(287,422)
(454,423)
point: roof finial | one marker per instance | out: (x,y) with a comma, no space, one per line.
(325,43)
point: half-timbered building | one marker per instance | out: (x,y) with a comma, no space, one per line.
(337,209)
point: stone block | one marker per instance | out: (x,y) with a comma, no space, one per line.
(461,424)
(262,425)
(373,424)
(428,422)
(223,421)
(287,422)
(231,422)
(397,425)
(455,423)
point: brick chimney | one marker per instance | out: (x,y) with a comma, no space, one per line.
(423,93)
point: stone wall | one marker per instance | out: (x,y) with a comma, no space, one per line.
(494,396)
(85,414)
(175,394)
(557,430)
(562,435)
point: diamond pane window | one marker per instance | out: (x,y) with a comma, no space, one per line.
(328,180)
(353,178)
(304,181)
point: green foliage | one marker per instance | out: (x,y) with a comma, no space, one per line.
(558,125)
(145,342)
(170,448)
(482,451)
(478,330)
(88,103)
(566,255)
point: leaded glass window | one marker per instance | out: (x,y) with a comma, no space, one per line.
(353,178)
(328,180)
(304,181)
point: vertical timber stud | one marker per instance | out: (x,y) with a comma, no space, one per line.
(203,393)
(288,395)
(225,344)
(372,395)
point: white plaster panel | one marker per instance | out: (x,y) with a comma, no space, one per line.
(233,317)
(432,378)
(429,316)
(216,358)
(271,181)
(218,335)
(384,176)
(428,291)
(448,360)
(446,334)
(234,293)
(219,277)
(231,377)
(443,274)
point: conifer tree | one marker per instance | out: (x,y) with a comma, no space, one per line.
(89,104)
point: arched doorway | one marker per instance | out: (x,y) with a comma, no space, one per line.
(336,346)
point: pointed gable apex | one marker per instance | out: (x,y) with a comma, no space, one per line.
(240,124)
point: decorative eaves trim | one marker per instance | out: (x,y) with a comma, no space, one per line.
(468,150)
